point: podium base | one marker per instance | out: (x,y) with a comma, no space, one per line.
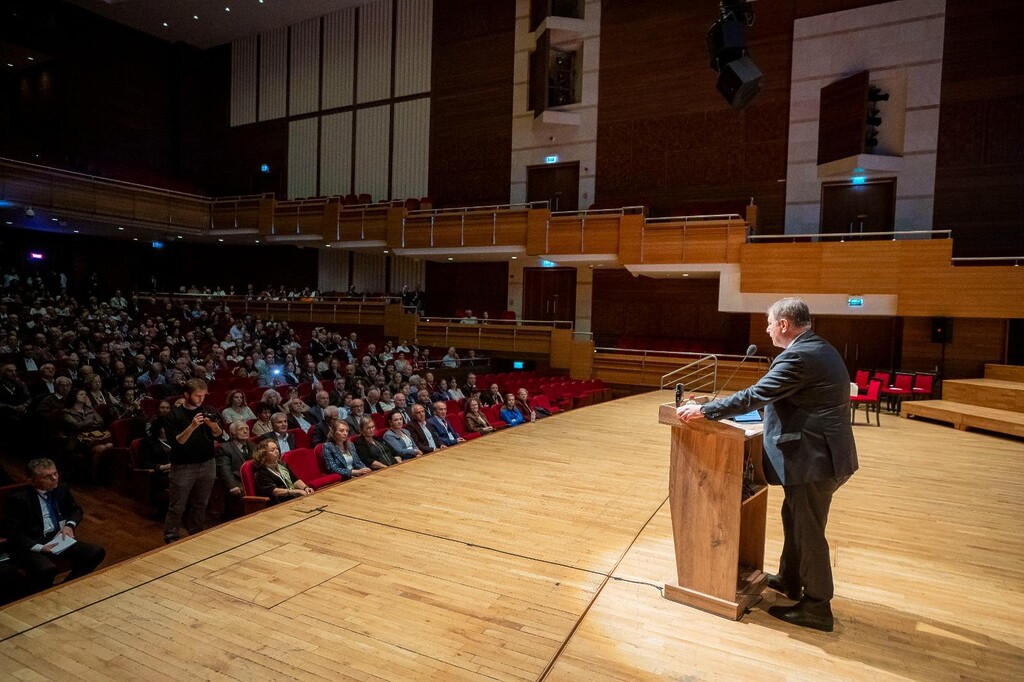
(749,589)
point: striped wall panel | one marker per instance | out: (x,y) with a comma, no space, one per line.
(336,154)
(409,170)
(243,81)
(304,69)
(368,272)
(339,58)
(302,141)
(332,273)
(371,162)
(413,29)
(273,74)
(407,272)
(374,76)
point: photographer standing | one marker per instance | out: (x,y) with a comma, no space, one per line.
(191,432)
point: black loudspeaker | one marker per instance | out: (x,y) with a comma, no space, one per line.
(942,329)
(739,82)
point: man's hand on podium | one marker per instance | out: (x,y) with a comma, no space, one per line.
(688,413)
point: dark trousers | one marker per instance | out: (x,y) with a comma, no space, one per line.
(805,557)
(42,568)
(190,485)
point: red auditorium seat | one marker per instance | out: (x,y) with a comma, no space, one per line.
(303,463)
(902,387)
(251,501)
(123,431)
(458,423)
(542,401)
(426,204)
(301,438)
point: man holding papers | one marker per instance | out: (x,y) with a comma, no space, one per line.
(40,524)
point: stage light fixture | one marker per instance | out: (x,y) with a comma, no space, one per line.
(739,78)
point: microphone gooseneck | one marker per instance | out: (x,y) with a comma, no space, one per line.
(751,349)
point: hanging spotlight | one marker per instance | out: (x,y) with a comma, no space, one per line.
(739,79)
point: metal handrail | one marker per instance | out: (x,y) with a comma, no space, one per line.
(843,235)
(988,259)
(555,324)
(694,218)
(489,208)
(695,376)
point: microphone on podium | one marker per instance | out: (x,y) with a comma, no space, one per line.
(679,395)
(751,349)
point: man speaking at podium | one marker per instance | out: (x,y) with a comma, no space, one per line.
(809,451)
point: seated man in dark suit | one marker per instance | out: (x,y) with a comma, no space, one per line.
(422,435)
(33,520)
(232,455)
(443,429)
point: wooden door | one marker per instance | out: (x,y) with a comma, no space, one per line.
(549,294)
(556,183)
(864,342)
(870,207)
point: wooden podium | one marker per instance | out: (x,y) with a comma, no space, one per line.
(718,531)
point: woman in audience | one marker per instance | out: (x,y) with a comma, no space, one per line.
(476,421)
(386,402)
(340,454)
(297,410)
(398,439)
(84,428)
(509,414)
(372,451)
(454,392)
(262,424)
(273,398)
(97,395)
(247,368)
(128,406)
(273,477)
(236,410)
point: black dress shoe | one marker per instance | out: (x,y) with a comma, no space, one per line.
(774,582)
(807,614)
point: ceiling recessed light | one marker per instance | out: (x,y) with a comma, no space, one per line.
(257,241)
(327,245)
(76,231)
(515,257)
(227,9)
(220,240)
(385,250)
(165,24)
(195,16)
(54,219)
(120,229)
(9,222)
(135,239)
(686,274)
(450,258)
(31,59)
(179,236)
(10,65)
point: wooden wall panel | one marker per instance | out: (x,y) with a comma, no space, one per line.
(663,308)
(471,107)
(975,342)
(980,165)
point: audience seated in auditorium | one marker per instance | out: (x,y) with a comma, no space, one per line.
(324,427)
(273,477)
(399,439)
(263,424)
(232,455)
(530,413)
(355,415)
(509,413)
(285,441)
(374,452)
(155,454)
(476,421)
(493,396)
(299,416)
(322,400)
(236,409)
(443,429)
(340,456)
(451,358)
(84,429)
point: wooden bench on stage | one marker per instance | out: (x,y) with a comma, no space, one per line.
(963,416)
(995,403)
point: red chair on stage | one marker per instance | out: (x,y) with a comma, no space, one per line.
(872,401)
(923,385)
(902,387)
(863,377)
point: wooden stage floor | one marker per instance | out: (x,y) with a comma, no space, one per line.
(538,553)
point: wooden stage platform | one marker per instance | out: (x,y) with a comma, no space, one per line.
(988,404)
(539,553)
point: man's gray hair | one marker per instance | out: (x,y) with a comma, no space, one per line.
(331,412)
(792,309)
(236,426)
(34,466)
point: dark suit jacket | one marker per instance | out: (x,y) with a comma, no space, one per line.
(444,433)
(23,517)
(272,435)
(315,414)
(230,459)
(416,431)
(806,401)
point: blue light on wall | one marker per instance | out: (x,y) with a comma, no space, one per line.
(550,159)
(858,179)
(855,302)
(158,245)
(264,168)
(547,264)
